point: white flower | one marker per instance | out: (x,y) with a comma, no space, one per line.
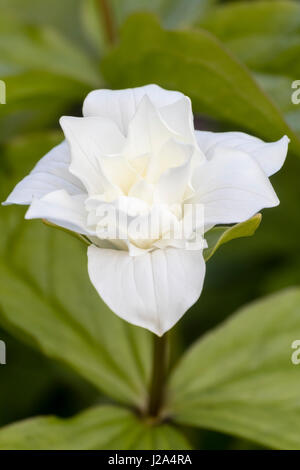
(136,151)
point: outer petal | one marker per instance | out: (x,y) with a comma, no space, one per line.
(152,290)
(61,209)
(232,187)
(50,174)
(270,156)
(121,105)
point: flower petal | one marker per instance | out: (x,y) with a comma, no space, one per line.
(171,155)
(61,209)
(89,139)
(153,290)
(179,117)
(147,132)
(232,187)
(142,190)
(49,174)
(173,183)
(121,105)
(270,156)
(119,172)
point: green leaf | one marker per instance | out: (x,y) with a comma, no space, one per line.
(33,48)
(279,88)
(239,379)
(195,63)
(28,367)
(61,16)
(217,236)
(92,24)
(104,427)
(36,100)
(173,13)
(27,85)
(266,37)
(263,34)
(122,9)
(182,13)
(255,16)
(76,235)
(46,297)
(46,75)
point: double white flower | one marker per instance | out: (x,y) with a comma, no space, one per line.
(137,151)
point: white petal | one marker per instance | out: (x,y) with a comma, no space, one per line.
(232,187)
(170,155)
(147,132)
(61,209)
(142,190)
(50,174)
(121,105)
(153,290)
(270,156)
(179,117)
(89,139)
(118,170)
(173,183)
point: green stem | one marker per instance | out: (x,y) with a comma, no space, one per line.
(159,373)
(108,20)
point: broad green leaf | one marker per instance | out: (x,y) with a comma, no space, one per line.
(217,236)
(45,49)
(63,16)
(279,87)
(36,100)
(104,427)
(173,13)
(239,379)
(93,20)
(183,13)
(92,24)
(195,63)
(122,10)
(160,437)
(29,367)
(76,235)
(254,17)
(47,299)
(27,85)
(266,37)
(45,74)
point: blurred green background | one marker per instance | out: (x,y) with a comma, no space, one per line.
(52,53)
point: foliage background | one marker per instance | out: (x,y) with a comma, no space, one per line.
(50,56)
